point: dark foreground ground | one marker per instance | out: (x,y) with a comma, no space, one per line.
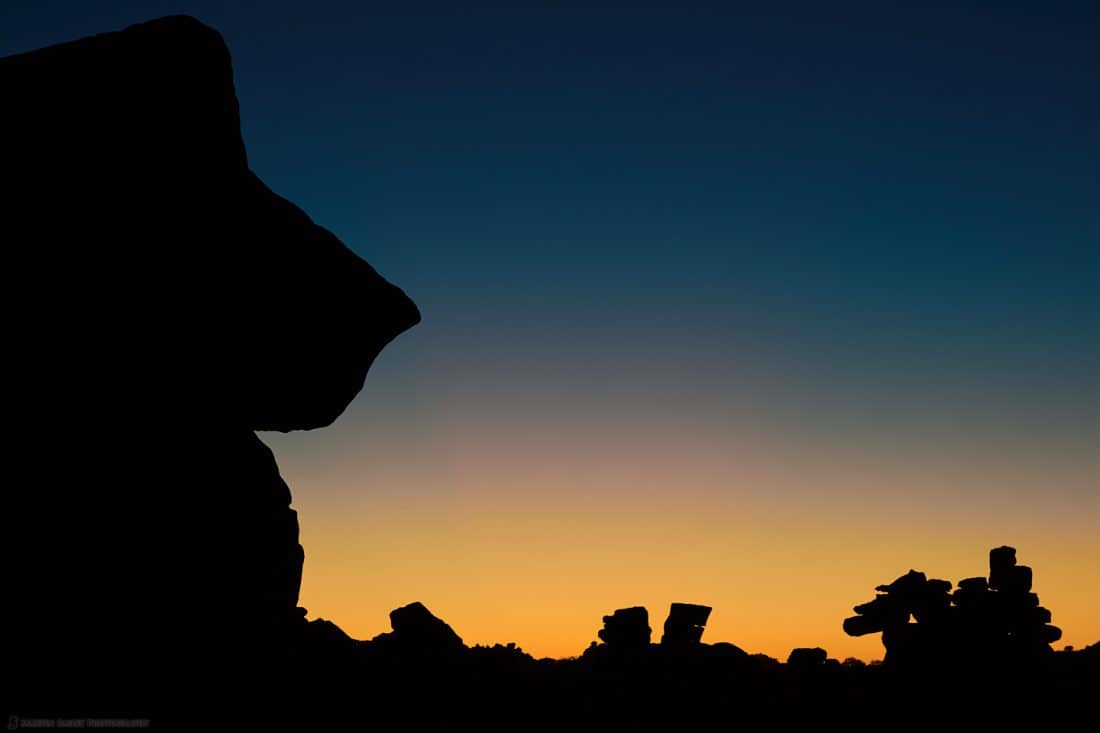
(431,681)
(718,684)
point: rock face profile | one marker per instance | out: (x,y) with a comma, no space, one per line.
(165,304)
(984,622)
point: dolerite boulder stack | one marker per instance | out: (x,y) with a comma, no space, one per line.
(165,304)
(986,622)
(626,629)
(1002,615)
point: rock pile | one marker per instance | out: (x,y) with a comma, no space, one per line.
(995,619)
(628,628)
(1002,614)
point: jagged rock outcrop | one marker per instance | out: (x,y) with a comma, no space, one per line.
(418,633)
(166,304)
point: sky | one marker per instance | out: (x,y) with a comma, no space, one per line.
(756,305)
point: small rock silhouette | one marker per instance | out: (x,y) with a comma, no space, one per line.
(685,623)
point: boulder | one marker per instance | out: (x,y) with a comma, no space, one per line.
(803,657)
(863,625)
(1015,580)
(626,628)
(973,585)
(685,623)
(416,630)
(1001,561)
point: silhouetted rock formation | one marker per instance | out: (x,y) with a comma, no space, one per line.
(168,305)
(1005,618)
(165,304)
(417,632)
(982,622)
(807,657)
(624,681)
(626,628)
(685,623)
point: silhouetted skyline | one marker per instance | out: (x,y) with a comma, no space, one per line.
(734,306)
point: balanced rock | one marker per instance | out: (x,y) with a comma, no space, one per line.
(1001,561)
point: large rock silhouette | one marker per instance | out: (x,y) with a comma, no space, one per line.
(163,304)
(984,623)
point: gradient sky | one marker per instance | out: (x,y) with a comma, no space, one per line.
(748,304)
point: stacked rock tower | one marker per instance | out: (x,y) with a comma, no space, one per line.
(990,620)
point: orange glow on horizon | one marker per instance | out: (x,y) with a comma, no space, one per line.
(508,545)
